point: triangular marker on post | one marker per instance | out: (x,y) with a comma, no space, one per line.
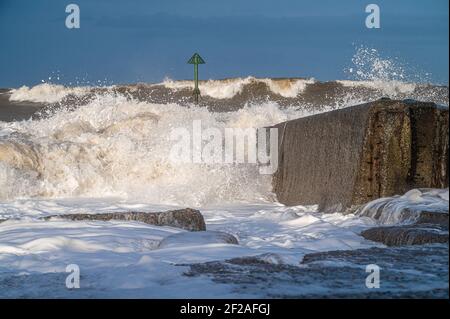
(196,59)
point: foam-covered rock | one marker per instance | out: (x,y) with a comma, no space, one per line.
(423,206)
(418,217)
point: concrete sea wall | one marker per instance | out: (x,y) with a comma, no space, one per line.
(351,156)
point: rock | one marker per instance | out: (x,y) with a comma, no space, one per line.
(336,274)
(382,255)
(357,154)
(431,217)
(418,206)
(418,217)
(187,218)
(197,238)
(407,235)
(267,258)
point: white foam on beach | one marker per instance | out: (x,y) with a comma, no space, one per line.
(122,258)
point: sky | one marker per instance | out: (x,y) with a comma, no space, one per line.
(147,41)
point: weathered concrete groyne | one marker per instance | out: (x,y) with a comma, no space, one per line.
(354,155)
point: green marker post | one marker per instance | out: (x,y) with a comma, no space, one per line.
(196,59)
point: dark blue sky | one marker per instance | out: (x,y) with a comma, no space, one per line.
(142,40)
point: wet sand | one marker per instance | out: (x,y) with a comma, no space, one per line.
(15,111)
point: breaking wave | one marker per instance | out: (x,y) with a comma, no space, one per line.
(232,94)
(115,141)
(46,93)
(115,146)
(228,88)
